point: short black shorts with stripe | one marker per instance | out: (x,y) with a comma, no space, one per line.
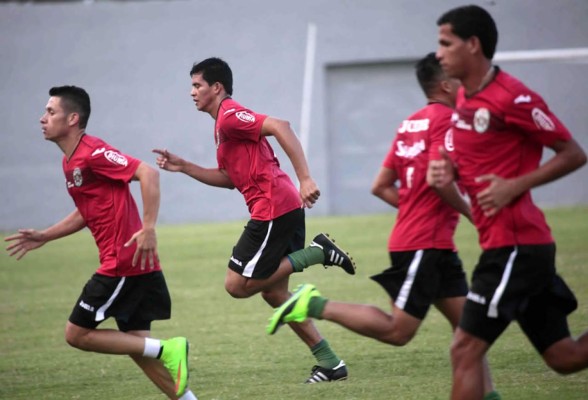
(518,283)
(133,301)
(263,244)
(418,278)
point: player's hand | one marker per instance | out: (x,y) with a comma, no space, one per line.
(496,195)
(168,161)
(309,192)
(441,172)
(146,248)
(24,241)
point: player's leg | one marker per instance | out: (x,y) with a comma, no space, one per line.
(157,372)
(544,321)
(103,297)
(258,260)
(467,361)
(329,367)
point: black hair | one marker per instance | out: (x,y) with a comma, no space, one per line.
(472,20)
(215,70)
(73,100)
(429,73)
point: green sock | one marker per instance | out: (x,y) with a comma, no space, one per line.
(493,395)
(306,257)
(316,306)
(325,357)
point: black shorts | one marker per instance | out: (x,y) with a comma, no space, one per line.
(418,278)
(134,301)
(518,283)
(263,244)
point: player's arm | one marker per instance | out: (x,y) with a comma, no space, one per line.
(282,131)
(384,186)
(568,157)
(451,195)
(210,176)
(146,238)
(29,239)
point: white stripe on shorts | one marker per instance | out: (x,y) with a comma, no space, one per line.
(409,280)
(250,267)
(493,307)
(104,307)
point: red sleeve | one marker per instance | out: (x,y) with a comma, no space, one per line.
(243,125)
(109,163)
(530,114)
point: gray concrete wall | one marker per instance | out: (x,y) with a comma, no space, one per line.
(134,59)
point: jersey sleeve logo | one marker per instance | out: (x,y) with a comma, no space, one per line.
(542,120)
(481,120)
(416,125)
(116,158)
(245,116)
(522,98)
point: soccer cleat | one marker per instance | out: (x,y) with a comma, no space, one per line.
(334,255)
(320,374)
(295,309)
(175,358)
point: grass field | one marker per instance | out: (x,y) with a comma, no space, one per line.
(231,357)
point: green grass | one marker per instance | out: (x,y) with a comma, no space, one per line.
(231,357)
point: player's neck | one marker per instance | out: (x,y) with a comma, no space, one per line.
(479,79)
(217,104)
(70,143)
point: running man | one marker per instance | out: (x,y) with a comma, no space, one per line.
(129,284)
(270,248)
(500,129)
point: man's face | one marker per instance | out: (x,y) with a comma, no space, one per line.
(54,122)
(452,52)
(202,93)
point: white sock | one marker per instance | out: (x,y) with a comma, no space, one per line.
(152,348)
(188,395)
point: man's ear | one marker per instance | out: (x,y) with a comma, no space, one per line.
(474,45)
(73,119)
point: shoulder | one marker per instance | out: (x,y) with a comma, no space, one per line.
(514,90)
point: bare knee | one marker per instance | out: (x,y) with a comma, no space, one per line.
(565,357)
(398,337)
(75,336)
(236,291)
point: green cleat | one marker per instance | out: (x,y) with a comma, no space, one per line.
(175,358)
(295,309)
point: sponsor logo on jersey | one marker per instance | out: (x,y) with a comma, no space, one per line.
(98,151)
(402,150)
(116,158)
(481,120)
(542,120)
(476,298)
(77,177)
(86,306)
(416,125)
(245,116)
(449,140)
(239,263)
(522,98)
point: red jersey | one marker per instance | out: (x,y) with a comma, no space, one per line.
(502,130)
(97,178)
(424,221)
(251,164)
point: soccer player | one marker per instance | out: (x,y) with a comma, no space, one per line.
(129,284)
(271,246)
(426,269)
(499,131)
